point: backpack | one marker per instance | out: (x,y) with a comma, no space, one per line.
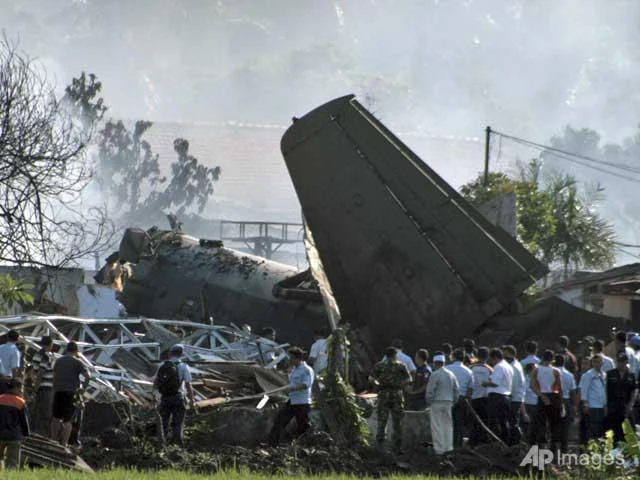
(168,378)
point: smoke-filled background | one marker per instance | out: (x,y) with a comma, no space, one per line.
(435,68)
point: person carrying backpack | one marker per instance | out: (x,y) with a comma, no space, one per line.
(173,382)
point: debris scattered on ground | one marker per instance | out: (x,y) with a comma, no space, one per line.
(313,453)
(123,354)
(42,452)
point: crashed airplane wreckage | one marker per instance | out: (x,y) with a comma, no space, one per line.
(404,255)
(181,277)
(394,251)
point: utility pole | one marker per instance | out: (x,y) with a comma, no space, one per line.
(487,141)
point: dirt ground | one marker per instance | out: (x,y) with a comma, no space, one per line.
(314,453)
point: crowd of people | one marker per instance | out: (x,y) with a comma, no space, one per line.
(488,394)
(481,394)
(56,389)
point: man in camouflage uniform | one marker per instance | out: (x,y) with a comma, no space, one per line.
(391,377)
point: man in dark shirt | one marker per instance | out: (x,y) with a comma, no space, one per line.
(621,396)
(416,392)
(14,423)
(66,389)
(562,348)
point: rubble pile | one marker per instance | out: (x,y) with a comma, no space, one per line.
(123,354)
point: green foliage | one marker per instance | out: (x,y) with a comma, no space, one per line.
(555,221)
(631,446)
(14,291)
(339,394)
(536,224)
(234,474)
(582,237)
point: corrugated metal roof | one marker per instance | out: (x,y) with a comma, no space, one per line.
(255,184)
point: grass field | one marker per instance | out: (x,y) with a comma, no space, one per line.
(177,475)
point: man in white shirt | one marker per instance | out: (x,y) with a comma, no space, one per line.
(481,373)
(593,397)
(464,376)
(9,359)
(531,347)
(517,393)
(499,394)
(299,405)
(403,357)
(570,400)
(607,362)
(318,357)
(442,391)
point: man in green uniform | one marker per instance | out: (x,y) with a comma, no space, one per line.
(391,377)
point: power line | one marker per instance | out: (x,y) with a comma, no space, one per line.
(573,156)
(578,162)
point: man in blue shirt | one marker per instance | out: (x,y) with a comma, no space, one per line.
(299,404)
(593,398)
(464,376)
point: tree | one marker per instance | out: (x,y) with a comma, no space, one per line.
(43,171)
(127,170)
(14,292)
(555,221)
(534,208)
(582,237)
(129,173)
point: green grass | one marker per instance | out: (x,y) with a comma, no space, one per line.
(177,475)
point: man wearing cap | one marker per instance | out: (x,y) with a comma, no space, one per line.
(173,382)
(442,392)
(299,403)
(66,387)
(42,375)
(621,396)
(391,376)
(9,359)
